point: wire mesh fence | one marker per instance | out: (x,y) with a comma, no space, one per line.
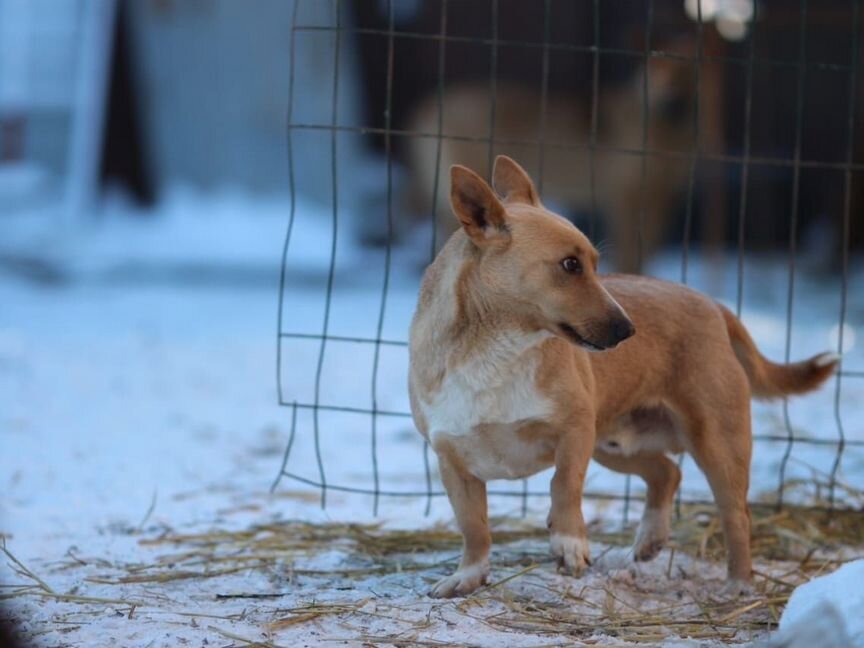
(342,361)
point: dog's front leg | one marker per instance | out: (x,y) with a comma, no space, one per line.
(467,496)
(569,539)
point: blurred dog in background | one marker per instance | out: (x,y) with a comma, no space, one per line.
(555,144)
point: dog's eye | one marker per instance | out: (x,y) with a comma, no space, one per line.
(572,265)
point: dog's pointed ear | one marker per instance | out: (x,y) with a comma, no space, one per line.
(476,206)
(513,182)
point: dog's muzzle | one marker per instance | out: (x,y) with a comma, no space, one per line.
(616,332)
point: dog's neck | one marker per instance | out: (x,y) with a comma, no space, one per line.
(480,330)
(460,326)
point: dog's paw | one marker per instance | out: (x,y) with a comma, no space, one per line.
(735,588)
(648,549)
(462,582)
(652,535)
(572,553)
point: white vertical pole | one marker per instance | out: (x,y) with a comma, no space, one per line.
(88,107)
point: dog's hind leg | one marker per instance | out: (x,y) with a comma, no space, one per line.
(662,478)
(467,495)
(722,449)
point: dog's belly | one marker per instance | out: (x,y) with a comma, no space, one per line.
(647,430)
(502,450)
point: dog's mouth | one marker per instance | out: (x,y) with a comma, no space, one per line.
(573,335)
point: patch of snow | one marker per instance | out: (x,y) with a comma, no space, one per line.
(829,609)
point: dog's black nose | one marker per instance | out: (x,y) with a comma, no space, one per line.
(622,329)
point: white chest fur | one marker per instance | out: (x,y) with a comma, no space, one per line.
(481,404)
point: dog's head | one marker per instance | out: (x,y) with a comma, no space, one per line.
(532,263)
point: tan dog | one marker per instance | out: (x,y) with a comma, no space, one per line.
(616,188)
(502,384)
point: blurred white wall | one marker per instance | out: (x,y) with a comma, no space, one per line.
(38,57)
(37,53)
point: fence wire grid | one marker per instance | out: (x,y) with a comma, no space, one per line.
(307,411)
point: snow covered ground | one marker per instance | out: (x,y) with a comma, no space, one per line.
(138,399)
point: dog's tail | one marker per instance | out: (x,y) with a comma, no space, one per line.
(769,379)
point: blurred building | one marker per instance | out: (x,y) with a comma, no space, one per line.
(153,93)
(191,93)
